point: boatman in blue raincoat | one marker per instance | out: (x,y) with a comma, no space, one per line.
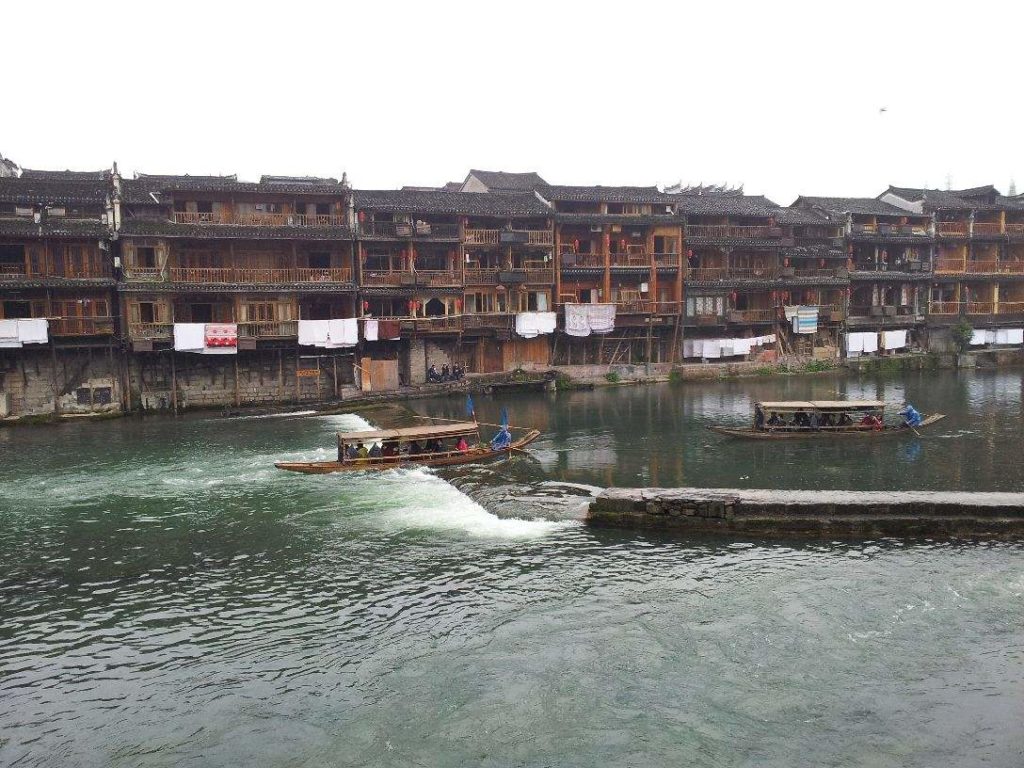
(501,440)
(911,417)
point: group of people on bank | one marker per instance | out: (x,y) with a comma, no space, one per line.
(454,372)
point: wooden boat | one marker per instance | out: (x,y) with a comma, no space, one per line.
(404,437)
(855,409)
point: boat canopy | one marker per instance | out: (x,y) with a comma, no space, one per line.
(411,433)
(838,406)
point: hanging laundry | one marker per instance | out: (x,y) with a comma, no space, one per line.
(9,335)
(546,321)
(342,333)
(527,325)
(870,343)
(711,349)
(854,342)
(577,320)
(894,339)
(741,346)
(688,348)
(221,339)
(189,337)
(370,330)
(33,331)
(389,329)
(805,320)
(978,337)
(602,317)
(1015,335)
(312,333)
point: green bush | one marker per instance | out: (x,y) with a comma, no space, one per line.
(764,370)
(675,377)
(815,366)
(613,377)
(962,333)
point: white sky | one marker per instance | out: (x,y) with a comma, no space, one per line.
(783,97)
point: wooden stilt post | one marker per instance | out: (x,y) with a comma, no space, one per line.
(56,387)
(174,385)
(237,397)
(297,395)
(335,361)
(280,375)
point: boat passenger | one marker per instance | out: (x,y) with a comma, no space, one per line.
(389,449)
(414,448)
(871,422)
(502,440)
(826,421)
(845,421)
(800,419)
(462,445)
(350,452)
(375,451)
(911,416)
(362,452)
(813,420)
(758,417)
(775,421)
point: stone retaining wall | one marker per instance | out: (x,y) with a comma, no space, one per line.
(818,514)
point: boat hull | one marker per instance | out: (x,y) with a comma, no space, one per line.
(748,433)
(472,456)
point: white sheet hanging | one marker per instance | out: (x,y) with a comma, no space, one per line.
(978,337)
(527,325)
(894,339)
(870,342)
(1015,335)
(577,320)
(9,330)
(189,337)
(602,317)
(33,331)
(546,321)
(854,342)
(370,329)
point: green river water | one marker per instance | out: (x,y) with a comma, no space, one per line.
(168,598)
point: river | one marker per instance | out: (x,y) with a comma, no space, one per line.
(168,597)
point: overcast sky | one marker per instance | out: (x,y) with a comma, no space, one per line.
(783,97)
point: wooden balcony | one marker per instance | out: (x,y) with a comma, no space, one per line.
(489,320)
(951,228)
(151,330)
(996,266)
(436,278)
(395,278)
(752,315)
(944,307)
(666,259)
(732,232)
(981,307)
(260,219)
(582,260)
(706,274)
(442,324)
(529,237)
(632,259)
(753,273)
(1014,229)
(1010,308)
(947,266)
(269,329)
(82,326)
(481,276)
(228,275)
(987,228)
(399,230)
(70,271)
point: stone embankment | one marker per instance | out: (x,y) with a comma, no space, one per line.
(816,514)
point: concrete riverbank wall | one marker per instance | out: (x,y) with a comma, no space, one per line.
(815,514)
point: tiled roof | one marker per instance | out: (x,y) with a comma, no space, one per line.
(32,173)
(451,203)
(801,217)
(985,197)
(726,205)
(843,205)
(279,184)
(53,227)
(164,228)
(601,194)
(52,191)
(502,181)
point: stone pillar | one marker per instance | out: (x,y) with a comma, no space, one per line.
(417,361)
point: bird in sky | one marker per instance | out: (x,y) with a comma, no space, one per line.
(883,109)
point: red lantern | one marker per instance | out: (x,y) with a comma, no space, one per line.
(576,246)
(412,307)
(689,254)
(458,305)
(366,305)
(785,262)
(733,296)
(362,216)
(775,295)
(821,262)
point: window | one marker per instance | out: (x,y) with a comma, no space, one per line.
(83,396)
(204,207)
(11,257)
(319,260)
(664,244)
(17,310)
(180,206)
(323,209)
(267,207)
(147,312)
(533,301)
(704,306)
(145,257)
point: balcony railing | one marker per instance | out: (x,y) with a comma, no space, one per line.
(261,219)
(70,272)
(951,228)
(706,274)
(950,266)
(666,259)
(1014,229)
(987,228)
(631,259)
(945,307)
(481,276)
(269,329)
(407,230)
(981,307)
(207,275)
(490,320)
(438,277)
(752,315)
(1010,308)
(732,232)
(753,273)
(570,260)
(151,330)
(82,326)
(428,324)
(515,236)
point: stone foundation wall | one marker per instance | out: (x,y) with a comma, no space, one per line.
(812,514)
(86,380)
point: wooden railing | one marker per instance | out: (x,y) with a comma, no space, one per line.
(981,307)
(987,228)
(1014,229)
(729,231)
(944,307)
(481,276)
(493,236)
(260,219)
(753,273)
(269,329)
(82,326)
(70,272)
(207,275)
(378,277)
(1010,308)
(632,259)
(497,320)
(539,275)
(998,266)
(635,307)
(752,315)
(706,274)
(570,260)
(398,229)
(147,274)
(666,259)
(443,323)
(951,228)
(151,330)
(813,272)
(982,266)
(950,266)
(437,277)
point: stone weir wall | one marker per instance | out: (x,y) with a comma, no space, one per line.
(817,514)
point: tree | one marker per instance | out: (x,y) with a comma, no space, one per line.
(962,334)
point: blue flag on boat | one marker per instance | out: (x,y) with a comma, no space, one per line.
(469,407)
(504,418)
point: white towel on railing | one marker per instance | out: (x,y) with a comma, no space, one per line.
(741,346)
(577,320)
(189,337)
(527,325)
(688,348)
(711,348)
(33,331)
(854,342)
(894,339)
(1015,335)
(1002,336)
(342,333)
(312,333)
(978,337)
(370,330)
(870,342)
(9,330)
(546,322)
(602,317)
